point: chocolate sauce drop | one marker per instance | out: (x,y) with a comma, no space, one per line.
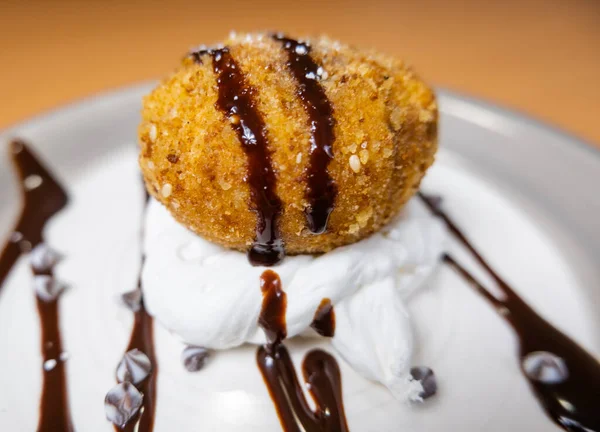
(324,319)
(236,101)
(142,338)
(43,197)
(321,189)
(274,305)
(321,372)
(573,401)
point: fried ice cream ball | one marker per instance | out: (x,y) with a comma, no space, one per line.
(384,139)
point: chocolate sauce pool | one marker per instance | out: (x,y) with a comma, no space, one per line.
(321,190)
(321,371)
(236,101)
(43,197)
(571,395)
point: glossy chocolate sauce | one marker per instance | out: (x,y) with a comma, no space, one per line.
(142,338)
(324,319)
(274,305)
(321,372)
(574,403)
(236,101)
(43,197)
(321,189)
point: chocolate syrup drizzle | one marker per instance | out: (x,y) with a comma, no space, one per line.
(43,197)
(321,189)
(321,372)
(324,319)
(142,338)
(573,404)
(237,101)
(274,305)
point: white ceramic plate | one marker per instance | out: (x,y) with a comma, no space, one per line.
(525,194)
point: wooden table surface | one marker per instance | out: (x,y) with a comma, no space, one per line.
(540,57)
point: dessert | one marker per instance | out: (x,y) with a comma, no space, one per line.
(220,141)
(353,295)
(268,141)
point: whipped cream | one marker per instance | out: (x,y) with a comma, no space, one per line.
(211,297)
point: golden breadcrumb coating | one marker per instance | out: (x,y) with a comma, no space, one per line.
(385,139)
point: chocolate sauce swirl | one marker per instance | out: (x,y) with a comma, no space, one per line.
(237,101)
(321,189)
(324,319)
(572,400)
(321,372)
(43,197)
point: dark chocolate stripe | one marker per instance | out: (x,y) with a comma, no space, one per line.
(237,101)
(142,338)
(321,189)
(321,371)
(572,403)
(41,201)
(274,305)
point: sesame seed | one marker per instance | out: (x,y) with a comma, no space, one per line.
(299,158)
(166,190)
(150,165)
(354,163)
(152,134)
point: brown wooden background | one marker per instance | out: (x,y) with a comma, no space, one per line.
(541,57)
